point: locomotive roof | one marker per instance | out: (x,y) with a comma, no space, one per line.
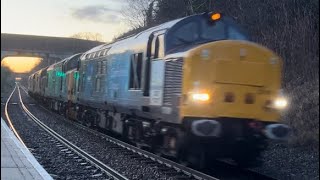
(143,34)
(62,61)
(38,72)
(69,58)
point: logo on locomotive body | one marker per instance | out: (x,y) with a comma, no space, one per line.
(273,60)
(205,54)
(243,52)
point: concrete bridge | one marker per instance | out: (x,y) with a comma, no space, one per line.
(50,49)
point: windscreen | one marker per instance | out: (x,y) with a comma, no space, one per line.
(199,30)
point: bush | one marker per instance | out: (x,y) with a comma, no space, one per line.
(7,80)
(303,113)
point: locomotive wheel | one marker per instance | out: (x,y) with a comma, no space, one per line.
(84,120)
(247,161)
(86,123)
(125,131)
(61,109)
(130,131)
(247,155)
(66,113)
(196,157)
(109,122)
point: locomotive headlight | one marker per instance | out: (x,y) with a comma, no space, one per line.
(280,103)
(200,97)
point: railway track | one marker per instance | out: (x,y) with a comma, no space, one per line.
(193,174)
(9,120)
(90,163)
(181,168)
(187,172)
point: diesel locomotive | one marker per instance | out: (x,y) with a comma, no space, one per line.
(194,89)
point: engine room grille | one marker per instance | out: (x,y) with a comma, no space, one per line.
(173,80)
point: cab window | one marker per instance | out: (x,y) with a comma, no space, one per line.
(186,33)
(214,32)
(199,30)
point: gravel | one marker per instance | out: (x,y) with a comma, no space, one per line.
(281,160)
(130,165)
(45,148)
(284,161)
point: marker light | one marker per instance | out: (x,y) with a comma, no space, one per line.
(215,16)
(200,97)
(280,103)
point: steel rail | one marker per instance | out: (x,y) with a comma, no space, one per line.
(178,167)
(109,171)
(9,120)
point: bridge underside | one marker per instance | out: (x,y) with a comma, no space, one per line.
(47,58)
(50,49)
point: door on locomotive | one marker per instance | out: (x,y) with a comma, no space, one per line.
(155,55)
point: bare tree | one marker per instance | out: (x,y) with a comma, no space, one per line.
(139,13)
(198,6)
(167,11)
(88,36)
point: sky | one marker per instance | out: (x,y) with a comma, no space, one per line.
(20,64)
(63,18)
(60,18)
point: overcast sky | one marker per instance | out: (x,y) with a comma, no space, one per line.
(63,18)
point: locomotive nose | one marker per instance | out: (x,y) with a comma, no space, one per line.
(232,78)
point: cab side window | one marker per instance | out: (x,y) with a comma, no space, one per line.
(135,71)
(159,47)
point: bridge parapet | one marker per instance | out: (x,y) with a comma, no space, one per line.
(43,46)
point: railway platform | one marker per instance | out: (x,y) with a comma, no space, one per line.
(17,162)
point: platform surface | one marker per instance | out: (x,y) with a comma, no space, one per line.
(17,162)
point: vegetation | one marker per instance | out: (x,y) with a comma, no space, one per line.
(289,27)
(7,79)
(88,36)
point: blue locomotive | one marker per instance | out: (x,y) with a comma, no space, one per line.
(191,88)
